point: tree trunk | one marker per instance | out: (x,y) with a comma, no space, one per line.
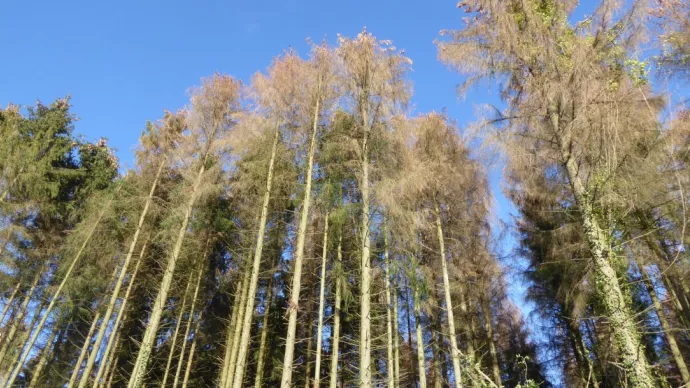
(322,304)
(261,358)
(230,331)
(256,266)
(192,350)
(390,372)
(43,360)
(436,359)
(488,327)
(396,337)
(454,350)
(237,330)
(607,288)
(30,329)
(189,324)
(118,285)
(17,321)
(84,349)
(139,370)
(365,289)
(420,337)
(120,314)
(178,324)
(293,304)
(668,330)
(9,301)
(335,347)
(27,347)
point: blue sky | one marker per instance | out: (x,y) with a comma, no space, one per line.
(124,62)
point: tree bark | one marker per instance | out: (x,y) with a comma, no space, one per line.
(231,330)
(607,288)
(9,301)
(237,330)
(365,264)
(256,266)
(16,322)
(192,350)
(293,304)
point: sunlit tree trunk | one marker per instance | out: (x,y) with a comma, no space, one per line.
(335,347)
(237,329)
(111,367)
(390,362)
(114,336)
(189,325)
(9,301)
(396,336)
(43,360)
(84,350)
(29,329)
(466,323)
(178,324)
(261,358)
(56,294)
(19,318)
(192,350)
(454,350)
(420,337)
(231,330)
(488,327)
(256,266)
(139,370)
(322,304)
(118,285)
(668,330)
(293,303)
(365,265)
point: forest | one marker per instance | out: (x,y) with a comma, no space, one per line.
(304,229)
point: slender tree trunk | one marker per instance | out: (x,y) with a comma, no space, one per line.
(43,360)
(437,359)
(390,372)
(322,304)
(17,321)
(668,330)
(310,337)
(230,331)
(9,301)
(261,358)
(335,347)
(486,309)
(178,324)
(454,350)
(420,338)
(396,337)
(139,370)
(467,327)
(408,315)
(365,289)
(607,288)
(112,365)
(237,330)
(256,266)
(189,325)
(120,314)
(192,350)
(84,350)
(293,304)
(30,329)
(118,285)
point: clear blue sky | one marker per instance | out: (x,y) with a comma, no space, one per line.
(124,62)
